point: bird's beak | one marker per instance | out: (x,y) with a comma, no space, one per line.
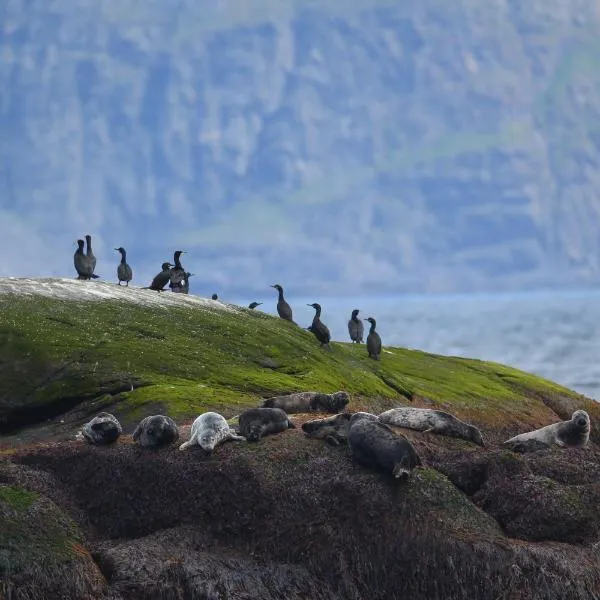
(309,305)
(271,286)
(117,249)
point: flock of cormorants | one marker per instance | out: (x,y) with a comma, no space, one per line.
(178,279)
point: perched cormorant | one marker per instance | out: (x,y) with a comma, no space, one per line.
(373,340)
(214,297)
(124,272)
(319,328)
(159,282)
(284,310)
(82,263)
(89,253)
(355,327)
(254,304)
(177,272)
(184,288)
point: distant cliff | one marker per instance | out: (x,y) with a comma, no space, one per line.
(426,146)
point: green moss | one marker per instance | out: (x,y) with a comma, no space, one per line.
(185,359)
(17,498)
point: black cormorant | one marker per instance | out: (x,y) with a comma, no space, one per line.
(319,328)
(159,282)
(355,327)
(254,304)
(89,253)
(124,272)
(82,263)
(373,340)
(177,272)
(184,288)
(214,297)
(284,310)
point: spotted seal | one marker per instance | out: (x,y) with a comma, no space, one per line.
(309,401)
(574,433)
(104,428)
(156,431)
(429,420)
(208,431)
(255,423)
(374,444)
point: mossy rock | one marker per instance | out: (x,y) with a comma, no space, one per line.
(184,358)
(41,550)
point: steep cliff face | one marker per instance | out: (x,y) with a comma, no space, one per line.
(431,146)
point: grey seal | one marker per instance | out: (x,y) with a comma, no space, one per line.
(374,444)
(104,428)
(209,430)
(309,401)
(156,431)
(431,421)
(255,423)
(574,433)
(334,429)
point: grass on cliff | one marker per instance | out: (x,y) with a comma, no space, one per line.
(182,360)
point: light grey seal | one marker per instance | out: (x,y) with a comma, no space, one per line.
(102,429)
(574,433)
(209,430)
(255,423)
(374,444)
(431,421)
(334,429)
(309,401)
(156,431)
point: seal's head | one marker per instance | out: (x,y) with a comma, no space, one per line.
(254,432)
(475,436)
(581,419)
(207,441)
(339,400)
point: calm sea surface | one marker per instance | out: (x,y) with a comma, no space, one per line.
(553,334)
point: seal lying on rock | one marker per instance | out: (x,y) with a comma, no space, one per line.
(208,431)
(334,430)
(102,429)
(374,444)
(566,434)
(309,401)
(254,423)
(156,431)
(431,421)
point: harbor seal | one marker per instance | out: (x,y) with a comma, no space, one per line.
(104,428)
(574,433)
(374,444)
(208,431)
(309,401)
(429,420)
(156,431)
(255,423)
(334,430)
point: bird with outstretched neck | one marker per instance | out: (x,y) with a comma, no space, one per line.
(89,253)
(284,310)
(253,305)
(124,271)
(319,329)
(373,340)
(356,328)
(160,280)
(177,274)
(82,263)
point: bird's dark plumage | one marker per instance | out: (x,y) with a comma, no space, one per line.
(89,253)
(254,304)
(177,273)
(214,297)
(356,328)
(159,282)
(319,329)
(373,340)
(124,272)
(184,288)
(83,265)
(284,310)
